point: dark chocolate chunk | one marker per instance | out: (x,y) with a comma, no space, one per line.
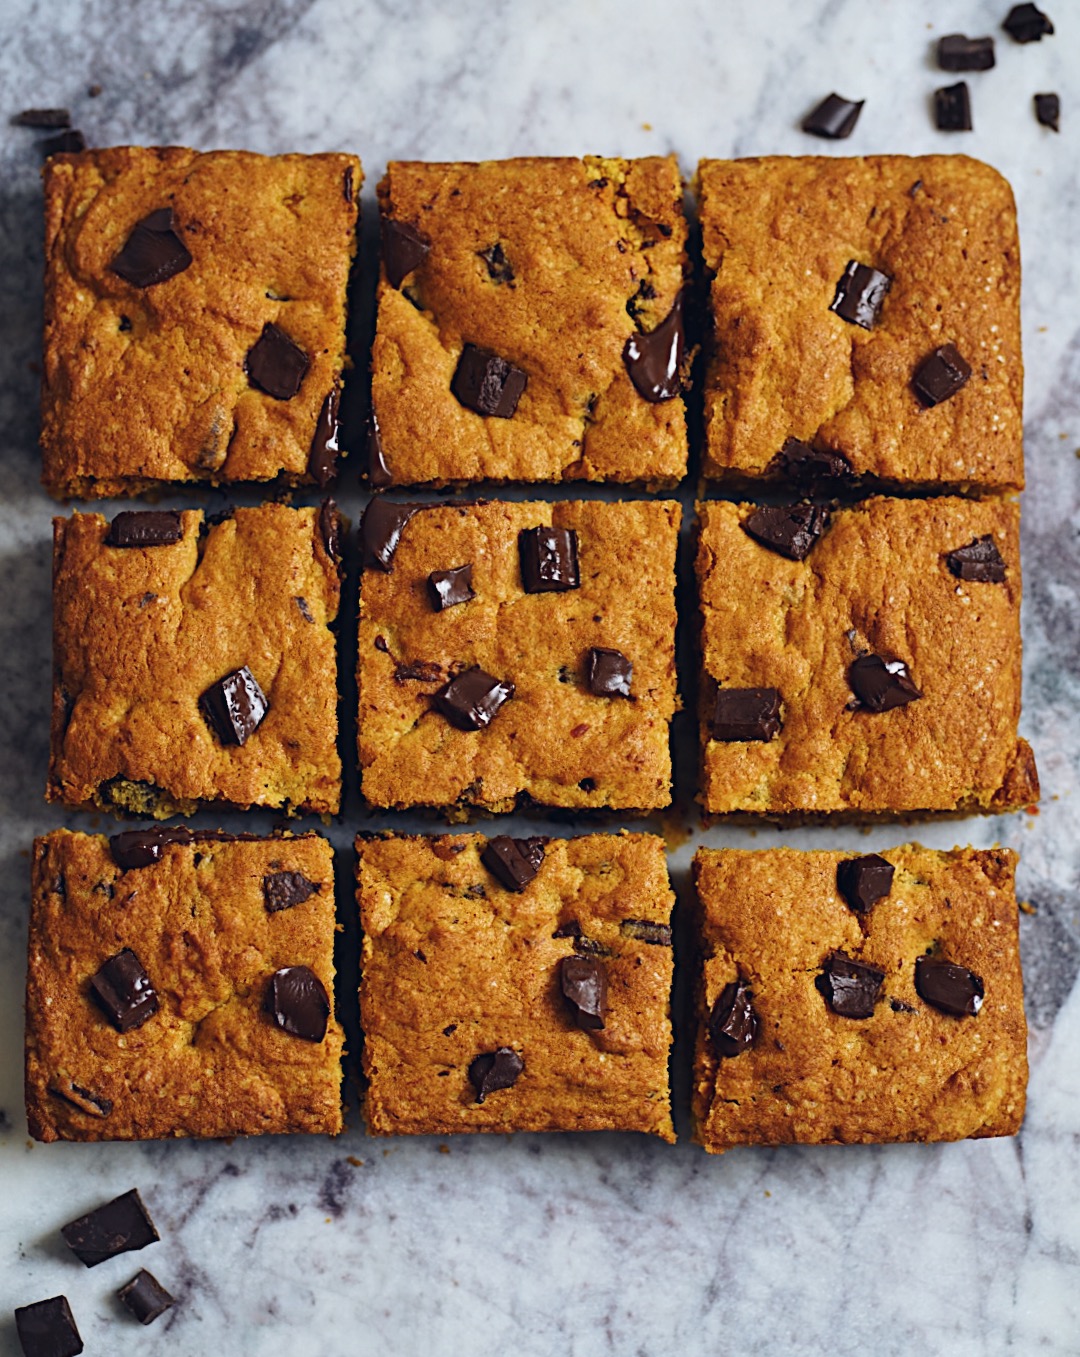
(424,671)
(85,1099)
(1027,23)
(404,248)
(851,988)
(275,364)
(1048,111)
(296,1000)
(145,1297)
(70,142)
(145,528)
(42,117)
(608,672)
(860,294)
(549,560)
(584,985)
(513,862)
(864,881)
(834,118)
(330,529)
(654,360)
(952,108)
(733,1024)
(347,184)
(120,1226)
(499,268)
(808,466)
(949,987)
(378,473)
(881,685)
(486,383)
(124,991)
(322,457)
(570,929)
(789,530)
(940,375)
(47,1329)
(955,52)
(141,847)
(153,253)
(645,930)
(282,890)
(979,561)
(471,700)
(494,1070)
(234,706)
(381,527)
(448,588)
(590,947)
(746,714)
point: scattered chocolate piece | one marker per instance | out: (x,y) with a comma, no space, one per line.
(494,1070)
(584,985)
(145,1297)
(851,988)
(864,881)
(296,1000)
(42,117)
(590,947)
(549,560)
(949,987)
(940,375)
(1027,23)
(120,1226)
(645,930)
(47,1329)
(234,707)
(835,118)
(471,700)
(145,528)
(141,847)
(404,248)
(955,52)
(860,294)
(347,184)
(746,714)
(513,862)
(1048,111)
(654,360)
(153,252)
(448,588)
(608,672)
(84,1099)
(322,457)
(733,1024)
(952,108)
(979,561)
(424,671)
(808,466)
(486,383)
(570,929)
(380,532)
(378,473)
(70,142)
(788,530)
(330,529)
(124,991)
(881,685)
(283,890)
(499,268)
(275,364)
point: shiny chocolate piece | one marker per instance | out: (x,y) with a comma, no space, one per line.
(955,52)
(851,988)
(864,881)
(835,118)
(145,528)
(42,117)
(654,360)
(789,530)
(448,588)
(952,108)
(978,561)
(733,1024)
(808,466)
(583,981)
(120,1226)
(145,1297)
(1048,111)
(283,890)
(471,700)
(153,253)
(549,560)
(493,1070)
(296,999)
(47,1329)
(330,529)
(142,847)
(948,987)
(234,707)
(513,862)
(378,473)
(381,527)
(746,714)
(860,294)
(70,142)
(940,375)
(404,248)
(83,1099)
(880,684)
(422,671)
(499,268)
(124,991)
(275,364)
(1027,23)
(645,930)
(608,672)
(322,457)
(486,383)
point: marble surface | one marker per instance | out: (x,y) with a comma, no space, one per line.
(569,1245)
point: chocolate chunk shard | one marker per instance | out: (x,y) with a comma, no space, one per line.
(941,375)
(1027,23)
(851,988)
(492,1070)
(330,529)
(864,881)
(808,466)
(835,118)
(120,1226)
(860,294)
(84,1099)
(145,528)
(471,700)
(153,253)
(380,532)
(881,685)
(1048,111)
(283,890)
(448,588)
(47,1329)
(70,142)
(423,671)
(141,847)
(404,248)
(124,991)
(499,268)
(276,364)
(234,707)
(145,1297)
(322,457)
(42,117)
(952,108)
(978,561)
(645,930)
(608,672)
(486,383)
(296,999)
(789,530)
(733,1024)
(513,862)
(570,929)
(746,714)
(549,560)
(378,473)
(949,987)
(958,53)
(583,981)
(655,360)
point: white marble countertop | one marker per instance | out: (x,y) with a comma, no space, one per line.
(570,1245)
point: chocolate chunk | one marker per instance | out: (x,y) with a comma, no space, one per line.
(957,53)
(746,714)
(145,1297)
(654,360)
(940,375)
(120,1226)
(851,988)
(486,383)
(296,1000)
(425,671)
(584,985)
(322,457)
(42,117)
(590,947)
(404,248)
(499,268)
(378,473)
(47,1329)
(978,561)
(808,466)
(347,184)
(141,847)
(549,560)
(124,991)
(864,881)
(282,890)
(84,1099)
(951,988)
(145,528)
(513,862)
(835,118)
(788,530)
(1048,111)
(494,1070)
(860,294)
(67,143)
(645,930)
(153,253)
(380,532)
(952,108)
(608,672)
(471,700)
(234,706)
(881,685)
(733,1024)
(570,929)
(275,364)
(1027,23)
(330,529)
(448,588)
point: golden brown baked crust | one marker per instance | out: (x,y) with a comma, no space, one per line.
(584,240)
(908,1072)
(454,966)
(554,735)
(139,634)
(876,581)
(210,1061)
(778,233)
(144,385)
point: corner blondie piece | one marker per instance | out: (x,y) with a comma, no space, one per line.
(515,985)
(866,319)
(530,323)
(875,674)
(544,670)
(194,317)
(894,1014)
(195,661)
(181,984)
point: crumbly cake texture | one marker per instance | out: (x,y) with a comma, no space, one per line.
(140,634)
(210,1061)
(147,384)
(908,1072)
(553,264)
(554,741)
(877,581)
(454,966)
(778,233)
